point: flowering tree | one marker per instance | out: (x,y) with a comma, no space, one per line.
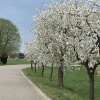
(43,56)
(33,53)
(72,26)
(82,27)
(49,27)
(36,53)
(29,53)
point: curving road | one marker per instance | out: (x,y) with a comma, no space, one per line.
(15,86)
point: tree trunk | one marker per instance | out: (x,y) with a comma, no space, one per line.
(51,74)
(60,74)
(4,58)
(91,84)
(91,72)
(99,50)
(31,64)
(35,67)
(42,70)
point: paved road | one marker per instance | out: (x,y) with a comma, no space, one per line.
(14,86)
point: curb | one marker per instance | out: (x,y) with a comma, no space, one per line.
(35,87)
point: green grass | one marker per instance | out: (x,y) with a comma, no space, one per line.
(75,84)
(16,61)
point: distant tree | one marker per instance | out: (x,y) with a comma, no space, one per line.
(9,39)
(32,53)
(13,55)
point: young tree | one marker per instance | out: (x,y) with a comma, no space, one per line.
(33,53)
(43,59)
(29,54)
(50,30)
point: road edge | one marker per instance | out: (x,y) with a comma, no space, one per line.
(35,87)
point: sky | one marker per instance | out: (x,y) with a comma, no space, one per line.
(21,13)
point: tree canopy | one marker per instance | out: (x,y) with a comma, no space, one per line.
(9,37)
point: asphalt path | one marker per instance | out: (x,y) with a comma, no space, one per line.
(15,86)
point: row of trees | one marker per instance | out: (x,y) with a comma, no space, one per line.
(9,39)
(66,33)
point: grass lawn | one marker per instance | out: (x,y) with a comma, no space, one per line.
(76,84)
(17,61)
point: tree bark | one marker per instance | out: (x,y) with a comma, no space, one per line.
(61,74)
(91,72)
(51,74)
(91,84)
(42,70)
(35,66)
(31,64)
(4,58)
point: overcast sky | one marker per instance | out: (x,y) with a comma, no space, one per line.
(20,12)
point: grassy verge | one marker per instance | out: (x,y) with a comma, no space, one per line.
(76,84)
(16,61)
